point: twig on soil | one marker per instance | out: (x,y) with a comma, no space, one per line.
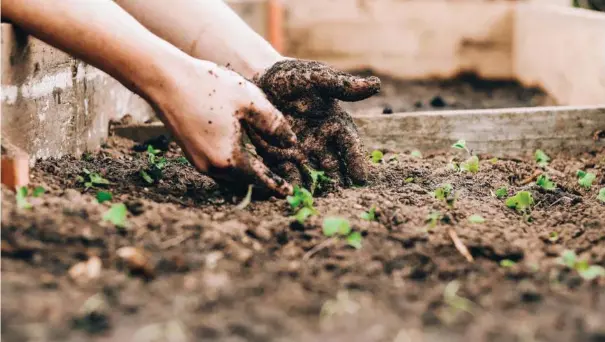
(175,240)
(531,178)
(554,172)
(460,245)
(319,247)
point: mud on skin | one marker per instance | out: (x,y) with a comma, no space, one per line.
(238,275)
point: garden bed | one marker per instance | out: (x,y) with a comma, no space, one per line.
(214,272)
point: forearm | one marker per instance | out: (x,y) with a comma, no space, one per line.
(101,34)
(206,29)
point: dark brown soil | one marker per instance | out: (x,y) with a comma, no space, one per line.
(466,91)
(216,273)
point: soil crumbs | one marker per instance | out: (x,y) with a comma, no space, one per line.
(188,265)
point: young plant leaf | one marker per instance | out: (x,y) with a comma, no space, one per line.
(443,192)
(502,192)
(470,165)
(301,198)
(545,183)
(585,179)
(247,199)
(318,179)
(182,160)
(21,197)
(377,156)
(38,191)
(553,236)
(303,214)
(460,144)
(354,240)
(146,176)
(521,201)
(416,154)
(568,258)
(507,263)
(336,225)
(601,195)
(592,272)
(541,158)
(97,179)
(433,218)
(116,215)
(476,219)
(494,160)
(104,196)
(370,215)
(408,180)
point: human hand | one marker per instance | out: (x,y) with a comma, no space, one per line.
(204,106)
(307,93)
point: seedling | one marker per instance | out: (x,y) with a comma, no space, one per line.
(116,215)
(94,179)
(338,226)
(318,179)
(601,195)
(522,201)
(370,215)
(541,158)
(587,272)
(300,198)
(461,145)
(21,197)
(247,199)
(553,237)
(155,165)
(470,165)
(446,193)
(377,156)
(182,160)
(416,154)
(409,180)
(507,263)
(104,196)
(303,214)
(494,160)
(38,191)
(451,298)
(476,219)
(502,192)
(433,218)
(545,183)
(585,179)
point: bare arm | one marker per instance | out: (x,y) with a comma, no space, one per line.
(206,29)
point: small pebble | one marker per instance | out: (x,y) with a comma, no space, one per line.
(438,102)
(387,110)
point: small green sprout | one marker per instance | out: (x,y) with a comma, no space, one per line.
(476,219)
(333,226)
(155,165)
(247,199)
(21,196)
(409,180)
(587,272)
(377,156)
(318,179)
(451,298)
(585,179)
(104,196)
(541,158)
(470,165)
(443,192)
(116,215)
(601,195)
(522,201)
(553,236)
(416,154)
(146,177)
(182,160)
(494,160)
(507,263)
(433,218)
(303,214)
(502,192)
(461,145)
(301,198)
(545,183)
(370,215)
(38,191)
(94,179)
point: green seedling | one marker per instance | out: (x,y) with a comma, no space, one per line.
(502,192)
(21,197)
(553,236)
(182,160)
(318,179)
(451,298)
(443,192)
(247,199)
(461,145)
(507,263)
(494,160)
(585,179)
(416,154)
(377,156)
(300,198)
(476,219)
(545,183)
(338,226)
(587,272)
(155,165)
(104,196)
(522,201)
(303,214)
(38,191)
(454,166)
(116,215)
(433,218)
(409,180)
(601,195)
(470,165)
(146,177)
(370,215)
(94,179)
(541,158)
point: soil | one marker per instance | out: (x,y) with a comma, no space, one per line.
(465,91)
(205,270)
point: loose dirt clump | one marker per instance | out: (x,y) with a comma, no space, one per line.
(188,265)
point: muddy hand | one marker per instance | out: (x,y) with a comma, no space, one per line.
(205,109)
(307,92)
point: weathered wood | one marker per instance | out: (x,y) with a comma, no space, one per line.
(504,132)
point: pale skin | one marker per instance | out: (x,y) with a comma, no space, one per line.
(169,53)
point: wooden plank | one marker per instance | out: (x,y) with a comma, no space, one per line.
(503,132)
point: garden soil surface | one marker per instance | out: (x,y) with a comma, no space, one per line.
(205,270)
